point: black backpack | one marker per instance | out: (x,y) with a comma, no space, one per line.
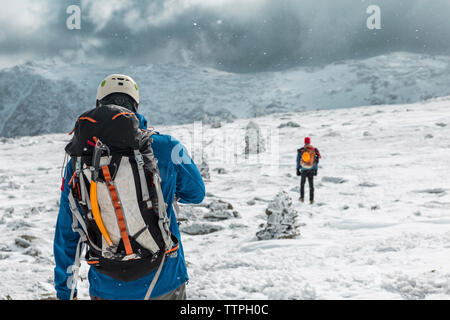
(116,184)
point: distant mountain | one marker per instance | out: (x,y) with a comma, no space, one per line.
(38,98)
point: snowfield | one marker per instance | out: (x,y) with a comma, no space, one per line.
(380,227)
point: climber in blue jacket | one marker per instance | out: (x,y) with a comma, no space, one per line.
(180,179)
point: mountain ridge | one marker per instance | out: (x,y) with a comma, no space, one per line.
(46,97)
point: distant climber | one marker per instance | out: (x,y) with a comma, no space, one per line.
(307,165)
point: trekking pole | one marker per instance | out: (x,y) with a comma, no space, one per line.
(76,267)
(155,279)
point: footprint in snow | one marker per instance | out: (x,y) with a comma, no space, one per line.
(367,184)
(337,180)
(438,191)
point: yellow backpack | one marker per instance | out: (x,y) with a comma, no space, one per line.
(308,157)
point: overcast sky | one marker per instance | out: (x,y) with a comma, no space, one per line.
(234,35)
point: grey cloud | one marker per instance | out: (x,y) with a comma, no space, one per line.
(255,36)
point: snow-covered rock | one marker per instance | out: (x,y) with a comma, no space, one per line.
(289,124)
(281,219)
(254,141)
(189,213)
(199,220)
(220,210)
(200,228)
(203,167)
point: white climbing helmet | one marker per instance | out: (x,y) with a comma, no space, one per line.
(118,83)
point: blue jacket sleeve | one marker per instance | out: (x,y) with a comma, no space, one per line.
(65,242)
(298,160)
(190,187)
(142,121)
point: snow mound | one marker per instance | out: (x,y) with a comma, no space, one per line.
(281,219)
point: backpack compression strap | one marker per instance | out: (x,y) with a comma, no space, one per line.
(96,213)
(98,150)
(140,165)
(118,209)
(163,220)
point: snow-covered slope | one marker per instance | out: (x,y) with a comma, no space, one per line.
(379,228)
(39,98)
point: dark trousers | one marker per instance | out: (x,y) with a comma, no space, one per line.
(310,176)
